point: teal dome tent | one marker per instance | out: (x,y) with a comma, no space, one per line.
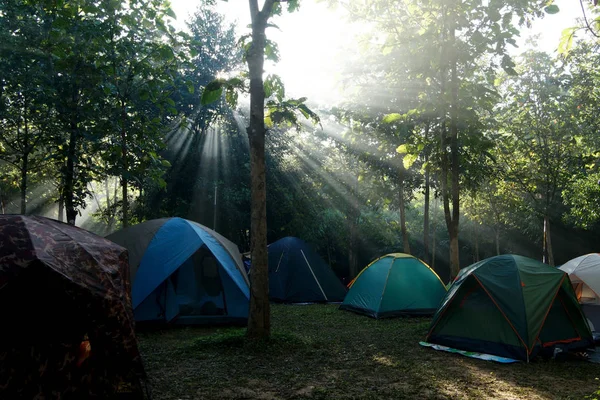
(395,284)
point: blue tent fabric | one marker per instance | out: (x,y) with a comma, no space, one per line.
(297,274)
(170,281)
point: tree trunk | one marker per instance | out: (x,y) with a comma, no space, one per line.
(68,193)
(24,162)
(124,182)
(2,209)
(497,242)
(353,230)
(405,242)
(426,257)
(476,255)
(352,258)
(24,170)
(454,248)
(548,242)
(61,205)
(259,319)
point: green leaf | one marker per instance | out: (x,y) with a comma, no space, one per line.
(212,92)
(409,160)
(170,13)
(551,9)
(388,119)
(566,40)
(402,149)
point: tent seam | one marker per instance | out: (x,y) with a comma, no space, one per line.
(548,310)
(385,285)
(503,314)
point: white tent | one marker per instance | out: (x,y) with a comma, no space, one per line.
(584,272)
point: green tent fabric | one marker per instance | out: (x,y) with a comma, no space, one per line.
(395,284)
(510,306)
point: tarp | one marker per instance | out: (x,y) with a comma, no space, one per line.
(395,284)
(174,280)
(584,272)
(510,306)
(297,274)
(60,287)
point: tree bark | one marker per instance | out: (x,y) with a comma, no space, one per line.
(405,241)
(259,319)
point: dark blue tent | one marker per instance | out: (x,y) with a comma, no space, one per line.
(183,272)
(298,275)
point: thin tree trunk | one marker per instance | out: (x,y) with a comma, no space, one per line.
(454,248)
(476,255)
(2,202)
(124,182)
(497,242)
(24,162)
(426,257)
(259,320)
(548,241)
(353,230)
(70,176)
(61,204)
(405,241)
(433,232)
(24,170)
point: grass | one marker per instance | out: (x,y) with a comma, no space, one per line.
(319,352)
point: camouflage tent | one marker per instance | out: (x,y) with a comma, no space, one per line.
(67,322)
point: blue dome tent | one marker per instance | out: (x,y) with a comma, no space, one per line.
(184,273)
(297,274)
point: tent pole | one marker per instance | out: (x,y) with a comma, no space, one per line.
(314,276)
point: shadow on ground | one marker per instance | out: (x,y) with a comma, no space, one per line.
(319,352)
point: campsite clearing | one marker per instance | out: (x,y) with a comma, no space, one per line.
(319,352)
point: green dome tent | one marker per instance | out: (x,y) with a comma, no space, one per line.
(510,306)
(395,284)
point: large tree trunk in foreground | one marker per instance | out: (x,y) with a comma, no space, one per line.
(259,319)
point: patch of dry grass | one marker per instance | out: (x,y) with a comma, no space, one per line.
(318,352)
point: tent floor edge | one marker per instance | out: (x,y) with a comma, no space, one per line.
(480,346)
(358,310)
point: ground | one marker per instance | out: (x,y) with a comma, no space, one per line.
(319,352)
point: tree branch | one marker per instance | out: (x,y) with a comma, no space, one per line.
(586,20)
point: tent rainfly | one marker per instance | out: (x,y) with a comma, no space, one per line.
(67,322)
(297,274)
(393,285)
(510,306)
(184,273)
(584,272)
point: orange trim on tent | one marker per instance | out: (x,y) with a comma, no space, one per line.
(548,344)
(499,309)
(537,337)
